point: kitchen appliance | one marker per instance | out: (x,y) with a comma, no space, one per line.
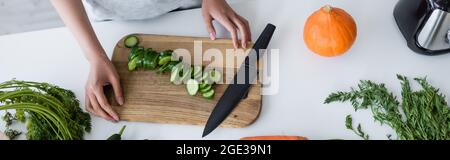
(235,92)
(425,24)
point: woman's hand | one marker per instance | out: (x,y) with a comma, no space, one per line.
(220,10)
(102,73)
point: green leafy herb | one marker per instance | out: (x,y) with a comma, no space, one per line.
(422,115)
(53,113)
(358,131)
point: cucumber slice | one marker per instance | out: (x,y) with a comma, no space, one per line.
(209,94)
(140,57)
(186,74)
(153,61)
(215,76)
(197,71)
(198,77)
(146,61)
(131,41)
(174,75)
(162,68)
(133,53)
(132,64)
(206,89)
(203,85)
(205,78)
(170,66)
(192,87)
(178,67)
(164,60)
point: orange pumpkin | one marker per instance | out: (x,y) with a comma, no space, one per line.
(330,31)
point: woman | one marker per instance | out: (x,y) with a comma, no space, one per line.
(102,72)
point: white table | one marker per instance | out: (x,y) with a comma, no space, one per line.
(306,79)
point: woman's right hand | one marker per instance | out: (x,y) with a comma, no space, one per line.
(102,73)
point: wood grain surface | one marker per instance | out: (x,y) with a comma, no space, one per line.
(150,97)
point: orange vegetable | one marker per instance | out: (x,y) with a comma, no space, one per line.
(275,138)
(330,31)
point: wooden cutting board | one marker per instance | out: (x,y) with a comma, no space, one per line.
(150,97)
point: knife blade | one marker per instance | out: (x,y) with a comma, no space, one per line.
(236,91)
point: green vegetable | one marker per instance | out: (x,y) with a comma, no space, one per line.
(192,87)
(422,115)
(174,76)
(148,59)
(215,76)
(117,136)
(358,131)
(186,73)
(166,53)
(205,78)
(140,58)
(209,94)
(206,89)
(133,64)
(133,53)
(53,113)
(203,85)
(131,41)
(164,60)
(197,71)
(153,61)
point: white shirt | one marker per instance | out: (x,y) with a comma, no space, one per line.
(136,9)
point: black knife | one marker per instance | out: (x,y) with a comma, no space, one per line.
(236,91)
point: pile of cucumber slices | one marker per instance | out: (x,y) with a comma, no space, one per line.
(197,79)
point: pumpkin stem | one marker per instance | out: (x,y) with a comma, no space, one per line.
(327,8)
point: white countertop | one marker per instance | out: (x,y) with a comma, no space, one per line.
(306,79)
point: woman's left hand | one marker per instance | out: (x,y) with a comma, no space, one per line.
(220,10)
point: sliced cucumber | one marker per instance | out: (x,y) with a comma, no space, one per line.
(203,85)
(140,57)
(133,53)
(192,87)
(132,64)
(170,66)
(206,89)
(205,78)
(153,61)
(215,76)
(146,61)
(209,94)
(186,74)
(175,75)
(131,41)
(164,60)
(197,71)
(198,77)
